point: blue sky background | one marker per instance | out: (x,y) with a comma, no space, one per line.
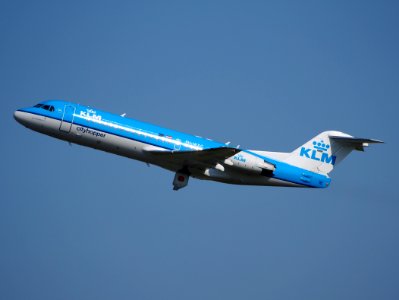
(76,223)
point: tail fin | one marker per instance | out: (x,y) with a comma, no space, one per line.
(326,150)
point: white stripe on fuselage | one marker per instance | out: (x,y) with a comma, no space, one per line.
(139,132)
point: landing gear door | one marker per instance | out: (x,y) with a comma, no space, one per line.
(67,118)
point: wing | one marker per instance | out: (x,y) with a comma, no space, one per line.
(198,159)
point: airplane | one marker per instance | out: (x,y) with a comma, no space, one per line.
(191,156)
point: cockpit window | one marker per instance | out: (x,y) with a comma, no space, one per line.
(45,106)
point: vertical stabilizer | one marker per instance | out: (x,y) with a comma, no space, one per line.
(326,150)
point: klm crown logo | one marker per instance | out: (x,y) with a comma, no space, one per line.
(318,153)
(320,146)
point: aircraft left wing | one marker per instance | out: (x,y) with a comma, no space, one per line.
(197,158)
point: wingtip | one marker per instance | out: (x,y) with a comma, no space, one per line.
(374,141)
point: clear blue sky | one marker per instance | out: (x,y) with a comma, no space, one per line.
(76,223)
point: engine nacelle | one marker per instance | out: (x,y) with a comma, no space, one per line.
(250,163)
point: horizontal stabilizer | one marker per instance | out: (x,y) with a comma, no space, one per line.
(355,143)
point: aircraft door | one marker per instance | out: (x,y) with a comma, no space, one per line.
(67,118)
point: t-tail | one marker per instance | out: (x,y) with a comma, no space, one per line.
(322,153)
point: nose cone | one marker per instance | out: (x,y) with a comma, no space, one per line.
(20,117)
(17,116)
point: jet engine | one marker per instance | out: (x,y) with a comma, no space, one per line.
(250,164)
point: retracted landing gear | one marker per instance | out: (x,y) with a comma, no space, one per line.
(180,180)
